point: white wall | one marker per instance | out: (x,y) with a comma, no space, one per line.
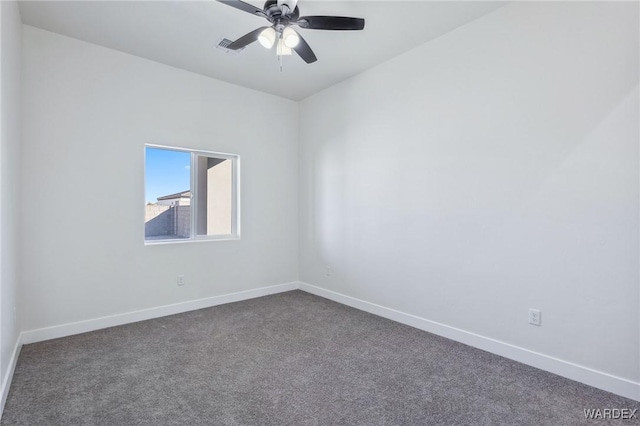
(87,112)
(492,170)
(11,46)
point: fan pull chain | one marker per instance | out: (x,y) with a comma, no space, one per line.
(279,50)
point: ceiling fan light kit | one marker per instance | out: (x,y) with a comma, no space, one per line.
(283,15)
(267,37)
(283,50)
(290,38)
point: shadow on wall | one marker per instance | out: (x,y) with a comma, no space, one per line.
(165,222)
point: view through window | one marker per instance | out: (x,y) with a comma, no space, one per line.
(190,195)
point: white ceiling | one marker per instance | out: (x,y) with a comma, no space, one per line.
(183,34)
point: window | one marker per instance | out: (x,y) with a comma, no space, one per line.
(190,195)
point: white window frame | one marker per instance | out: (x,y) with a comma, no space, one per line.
(235,195)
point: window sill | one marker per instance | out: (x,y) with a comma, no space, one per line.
(190,240)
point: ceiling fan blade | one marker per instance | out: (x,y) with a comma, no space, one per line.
(246,7)
(246,39)
(304,51)
(340,23)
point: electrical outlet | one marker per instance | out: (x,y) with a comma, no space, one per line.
(180,280)
(535,317)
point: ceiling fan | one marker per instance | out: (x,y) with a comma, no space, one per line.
(283,15)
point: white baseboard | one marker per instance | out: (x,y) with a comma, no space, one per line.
(63,330)
(588,376)
(6,382)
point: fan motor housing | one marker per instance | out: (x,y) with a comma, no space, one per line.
(274,13)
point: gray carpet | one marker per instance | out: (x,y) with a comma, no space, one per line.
(288,359)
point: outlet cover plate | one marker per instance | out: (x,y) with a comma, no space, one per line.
(535,317)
